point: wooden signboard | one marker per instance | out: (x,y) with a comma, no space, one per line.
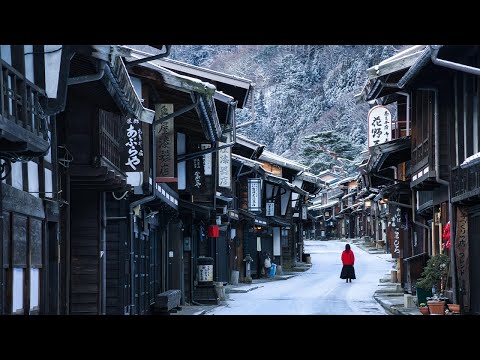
(461,255)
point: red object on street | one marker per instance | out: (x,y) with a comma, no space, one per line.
(213,231)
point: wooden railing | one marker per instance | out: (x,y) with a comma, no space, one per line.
(19,101)
(424,197)
(465,182)
(110,135)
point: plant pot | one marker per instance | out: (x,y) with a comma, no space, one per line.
(436,307)
(455,308)
(422,295)
(424,310)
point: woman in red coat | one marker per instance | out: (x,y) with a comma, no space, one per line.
(348,259)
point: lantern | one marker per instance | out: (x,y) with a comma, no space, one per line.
(213,231)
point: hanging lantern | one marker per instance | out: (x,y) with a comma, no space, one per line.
(213,231)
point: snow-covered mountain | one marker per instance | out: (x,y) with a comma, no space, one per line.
(300,89)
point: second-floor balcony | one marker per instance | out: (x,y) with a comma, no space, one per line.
(465,183)
(23,126)
(105,172)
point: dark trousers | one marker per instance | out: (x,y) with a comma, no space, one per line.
(267,272)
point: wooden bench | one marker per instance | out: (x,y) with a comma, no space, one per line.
(166,302)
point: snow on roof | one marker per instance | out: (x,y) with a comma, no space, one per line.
(243,140)
(471,160)
(280,160)
(249,162)
(324,206)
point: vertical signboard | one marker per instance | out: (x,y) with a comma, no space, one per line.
(397,232)
(132,152)
(461,255)
(164,133)
(304,212)
(270,208)
(254,195)
(224,165)
(197,176)
(379,125)
(207,160)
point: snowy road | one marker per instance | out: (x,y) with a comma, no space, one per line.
(318,291)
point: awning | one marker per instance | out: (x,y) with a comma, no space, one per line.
(389,154)
(206,210)
(260,221)
(278,221)
(201,92)
(309,177)
(280,160)
(324,206)
(277,180)
(168,195)
(222,197)
(118,83)
(246,214)
(383,77)
(247,162)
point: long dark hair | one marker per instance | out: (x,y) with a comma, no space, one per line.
(347,247)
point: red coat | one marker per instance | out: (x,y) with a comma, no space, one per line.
(347,257)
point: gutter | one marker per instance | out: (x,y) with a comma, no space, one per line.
(449,64)
(134,204)
(89,78)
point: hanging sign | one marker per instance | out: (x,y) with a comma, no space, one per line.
(224,166)
(396,232)
(270,209)
(132,152)
(304,212)
(254,195)
(379,125)
(164,133)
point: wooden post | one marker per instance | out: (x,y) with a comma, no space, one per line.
(433,238)
(440,237)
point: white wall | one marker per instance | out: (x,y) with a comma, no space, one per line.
(48,183)
(33,184)
(17,176)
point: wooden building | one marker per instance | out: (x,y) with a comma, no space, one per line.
(30,196)
(438,84)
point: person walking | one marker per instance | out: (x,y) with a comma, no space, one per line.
(267,264)
(348,260)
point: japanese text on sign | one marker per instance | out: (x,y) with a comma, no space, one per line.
(254,195)
(134,145)
(224,167)
(165,142)
(379,125)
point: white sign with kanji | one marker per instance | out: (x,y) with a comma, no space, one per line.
(379,125)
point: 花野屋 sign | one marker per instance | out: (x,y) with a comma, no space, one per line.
(379,125)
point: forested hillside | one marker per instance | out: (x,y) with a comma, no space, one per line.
(301,90)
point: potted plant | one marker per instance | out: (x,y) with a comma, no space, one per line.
(434,276)
(423,308)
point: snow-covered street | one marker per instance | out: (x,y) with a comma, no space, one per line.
(318,291)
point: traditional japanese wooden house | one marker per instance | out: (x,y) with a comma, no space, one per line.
(296,196)
(101,111)
(30,199)
(203,132)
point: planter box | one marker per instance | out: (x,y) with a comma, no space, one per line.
(436,307)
